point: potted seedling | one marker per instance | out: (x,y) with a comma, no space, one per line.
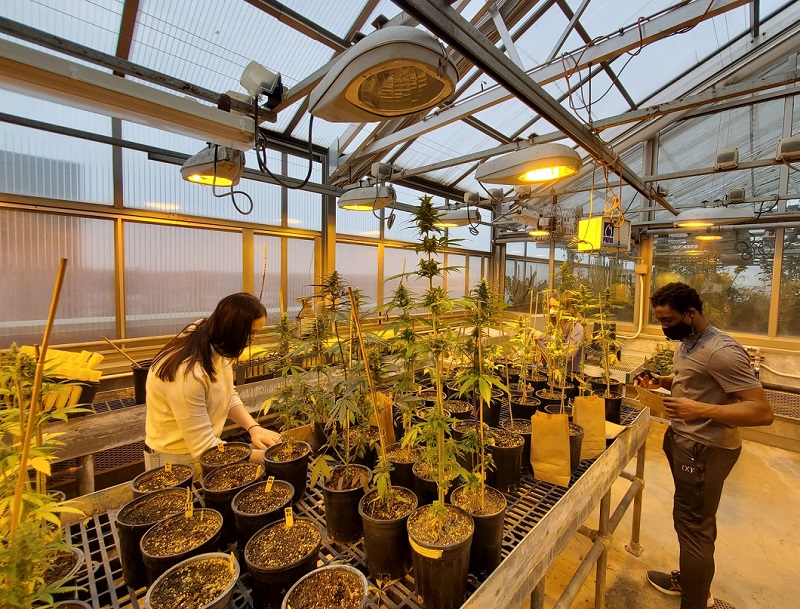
(440,534)
(200,581)
(340,586)
(607,341)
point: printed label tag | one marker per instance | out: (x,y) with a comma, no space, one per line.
(289,517)
(270,482)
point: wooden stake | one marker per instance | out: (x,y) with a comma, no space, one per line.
(263,273)
(130,359)
(22,472)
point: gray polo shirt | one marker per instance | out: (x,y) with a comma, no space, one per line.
(709,369)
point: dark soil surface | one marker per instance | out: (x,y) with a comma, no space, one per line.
(429,395)
(230,454)
(458,406)
(179,534)
(518,425)
(442,530)
(470,501)
(401,455)
(467,426)
(425,471)
(62,564)
(506,439)
(347,478)
(160,478)
(529,401)
(277,546)
(328,589)
(149,510)
(234,475)
(258,501)
(401,504)
(422,413)
(284,452)
(575,429)
(193,585)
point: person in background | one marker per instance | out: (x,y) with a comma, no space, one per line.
(190,391)
(567,320)
(714,392)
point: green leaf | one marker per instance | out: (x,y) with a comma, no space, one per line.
(40,464)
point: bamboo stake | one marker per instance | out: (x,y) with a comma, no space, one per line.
(16,508)
(368,374)
(263,273)
(130,359)
(480,411)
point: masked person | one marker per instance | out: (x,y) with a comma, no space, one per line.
(714,392)
(190,391)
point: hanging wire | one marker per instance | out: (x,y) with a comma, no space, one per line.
(232,192)
(261,141)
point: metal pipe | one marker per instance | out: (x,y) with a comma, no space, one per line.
(634,547)
(624,504)
(85,475)
(602,561)
(537,595)
(728,228)
(575,584)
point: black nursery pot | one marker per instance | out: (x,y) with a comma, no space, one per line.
(524,410)
(507,470)
(341,510)
(295,471)
(183,476)
(220,500)
(613,408)
(575,443)
(386,546)
(599,385)
(425,488)
(71,578)
(140,380)
(206,468)
(248,523)
(129,534)
(224,598)
(545,398)
(401,474)
(557,409)
(514,426)
(487,541)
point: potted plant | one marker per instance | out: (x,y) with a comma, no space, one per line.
(340,586)
(36,564)
(205,581)
(220,486)
(168,475)
(607,340)
(439,534)
(224,453)
(258,505)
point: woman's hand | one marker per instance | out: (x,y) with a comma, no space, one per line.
(264,438)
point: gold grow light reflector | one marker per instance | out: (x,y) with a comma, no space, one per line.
(395,71)
(540,163)
(702,217)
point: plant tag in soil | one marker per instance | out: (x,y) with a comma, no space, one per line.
(289,517)
(189,510)
(233,563)
(221,447)
(168,466)
(270,482)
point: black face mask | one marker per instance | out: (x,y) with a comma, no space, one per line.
(680,330)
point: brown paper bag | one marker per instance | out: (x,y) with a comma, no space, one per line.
(385,414)
(550,448)
(589,411)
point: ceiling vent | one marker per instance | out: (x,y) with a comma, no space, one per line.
(727,158)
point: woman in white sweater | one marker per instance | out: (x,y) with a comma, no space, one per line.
(190,391)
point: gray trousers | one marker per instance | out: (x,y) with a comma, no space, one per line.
(699,472)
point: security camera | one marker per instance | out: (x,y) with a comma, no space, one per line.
(472,198)
(258,80)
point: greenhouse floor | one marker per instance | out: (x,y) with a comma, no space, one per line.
(757,542)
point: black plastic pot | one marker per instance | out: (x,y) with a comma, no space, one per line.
(575,442)
(341,510)
(248,523)
(156,565)
(220,500)
(440,572)
(289,601)
(401,474)
(225,598)
(461,415)
(491,414)
(507,464)
(207,468)
(318,437)
(71,579)
(526,437)
(521,410)
(613,407)
(134,572)
(599,385)
(184,481)
(140,380)
(557,409)
(425,489)
(295,472)
(270,584)
(388,553)
(487,540)
(545,399)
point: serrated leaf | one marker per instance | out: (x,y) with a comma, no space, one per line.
(40,464)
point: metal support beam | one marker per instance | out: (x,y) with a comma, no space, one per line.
(461,35)
(300,23)
(651,29)
(505,35)
(567,30)
(755,19)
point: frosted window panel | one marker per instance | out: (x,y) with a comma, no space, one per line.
(31,245)
(606,271)
(481,243)
(733,276)
(358,264)
(358,223)
(457,277)
(515,249)
(175,275)
(300,271)
(403,228)
(394,260)
(789,307)
(159,187)
(272,280)
(39,164)
(304,207)
(475,270)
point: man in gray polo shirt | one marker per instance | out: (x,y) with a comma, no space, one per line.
(714,392)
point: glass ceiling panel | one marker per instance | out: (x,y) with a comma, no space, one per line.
(536,43)
(324,133)
(603,17)
(448,142)
(177,37)
(507,117)
(647,71)
(87,22)
(336,17)
(690,192)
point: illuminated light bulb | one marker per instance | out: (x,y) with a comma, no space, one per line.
(708,237)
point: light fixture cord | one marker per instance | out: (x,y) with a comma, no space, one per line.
(260,142)
(232,192)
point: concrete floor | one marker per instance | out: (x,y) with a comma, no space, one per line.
(758,545)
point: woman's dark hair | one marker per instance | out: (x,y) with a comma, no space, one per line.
(679,296)
(227,330)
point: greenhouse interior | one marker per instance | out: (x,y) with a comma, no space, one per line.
(399,304)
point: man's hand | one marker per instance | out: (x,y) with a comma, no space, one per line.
(684,408)
(264,438)
(647,380)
